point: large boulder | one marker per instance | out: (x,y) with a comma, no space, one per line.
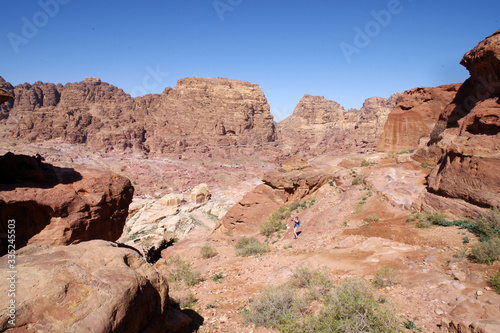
(468,132)
(94,286)
(61,206)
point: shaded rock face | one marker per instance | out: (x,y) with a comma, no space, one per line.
(414,116)
(320,126)
(280,187)
(199,115)
(61,206)
(468,132)
(93,286)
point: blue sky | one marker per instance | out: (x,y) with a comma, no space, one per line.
(346,50)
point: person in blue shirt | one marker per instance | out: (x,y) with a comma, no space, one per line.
(296,224)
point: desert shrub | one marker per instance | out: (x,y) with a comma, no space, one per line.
(486,252)
(359,179)
(218,277)
(488,224)
(495,282)
(276,307)
(183,302)
(352,307)
(316,281)
(459,255)
(249,246)
(386,277)
(371,218)
(365,163)
(208,251)
(181,271)
(436,218)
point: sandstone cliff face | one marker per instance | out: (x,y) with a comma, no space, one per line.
(414,116)
(468,132)
(60,206)
(94,286)
(198,115)
(320,126)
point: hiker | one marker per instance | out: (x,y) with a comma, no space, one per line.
(296,224)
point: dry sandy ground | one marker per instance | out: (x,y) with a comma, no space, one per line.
(433,284)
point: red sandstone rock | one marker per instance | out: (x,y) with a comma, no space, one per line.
(62,206)
(318,126)
(199,115)
(93,286)
(414,116)
(468,132)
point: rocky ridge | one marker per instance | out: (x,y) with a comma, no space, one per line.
(198,116)
(319,126)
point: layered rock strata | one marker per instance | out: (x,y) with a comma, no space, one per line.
(319,126)
(200,114)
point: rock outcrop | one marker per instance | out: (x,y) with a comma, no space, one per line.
(414,116)
(468,132)
(199,115)
(279,187)
(94,286)
(60,206)
(319,125)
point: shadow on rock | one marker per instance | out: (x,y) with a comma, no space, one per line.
(31,171)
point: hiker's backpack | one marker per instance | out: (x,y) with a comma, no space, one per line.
(298,224)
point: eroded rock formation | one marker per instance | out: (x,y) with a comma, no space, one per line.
(199,115)
(280,187)
(414,116)
(468,132)
(320,126)
(94,286)
(60,206)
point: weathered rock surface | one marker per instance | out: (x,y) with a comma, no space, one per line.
(415,114)
(5,96)
(319,125)
(199,115)
(280,187)
(468,132)
(61,206)
(94,286)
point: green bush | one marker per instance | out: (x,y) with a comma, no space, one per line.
(371,218)
(359,179)
(486,252)
(277,219)
(249,246)
(181,271)
(495,282)
(488,224)
(208,251)
(316,281)
(365,163)
(352,307)
(386,277)
(276,307)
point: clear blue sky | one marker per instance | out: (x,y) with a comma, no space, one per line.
(288,47)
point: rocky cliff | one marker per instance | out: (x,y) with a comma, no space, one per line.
(199,115)
(318,126)
(414,116)
(468,133)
